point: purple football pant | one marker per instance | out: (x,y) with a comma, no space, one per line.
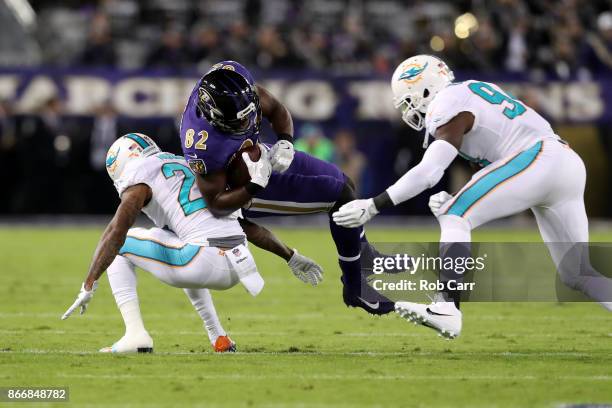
(313,186)
(309,186)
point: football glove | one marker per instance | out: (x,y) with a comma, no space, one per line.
(261,170)
(438,200)
(281,155)
(82,300)
(355,213)
(305,269)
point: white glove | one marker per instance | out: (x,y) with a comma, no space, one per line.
(281,155)
(260,170)
(436,202)
(82,300)
(355,213)
(305,269)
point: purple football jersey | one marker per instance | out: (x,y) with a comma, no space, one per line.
(205,148)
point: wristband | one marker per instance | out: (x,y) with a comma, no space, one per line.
(383,201)
(285,136)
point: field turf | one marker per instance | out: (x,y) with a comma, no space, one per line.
(298,346)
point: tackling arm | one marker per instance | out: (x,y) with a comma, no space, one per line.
(430,170)
(424,175)
(133,200)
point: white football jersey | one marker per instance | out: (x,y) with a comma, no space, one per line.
(176,202)
(502,126)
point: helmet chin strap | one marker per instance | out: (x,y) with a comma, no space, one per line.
(426,140)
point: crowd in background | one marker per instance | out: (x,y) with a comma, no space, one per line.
(558,38)
(52,162)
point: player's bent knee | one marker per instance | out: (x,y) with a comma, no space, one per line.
(347,194)
(350,182)
(454,222)
(454,229)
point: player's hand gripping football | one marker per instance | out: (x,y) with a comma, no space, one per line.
(261,170)
(281,155)
(355,213)
(82,300)
(305,269)
(436,202)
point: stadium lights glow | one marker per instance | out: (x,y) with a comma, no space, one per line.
(62,143)
(437,43)
(465,25)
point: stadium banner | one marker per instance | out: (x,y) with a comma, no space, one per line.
(310,96)
(491,271)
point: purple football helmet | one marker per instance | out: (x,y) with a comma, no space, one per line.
(228,99)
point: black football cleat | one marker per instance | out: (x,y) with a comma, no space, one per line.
(365,297)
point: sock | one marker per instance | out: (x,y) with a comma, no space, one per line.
(348,245)
(455,242)
(449,253)
(203,304)
(575,270)
(130,311)
(122,279)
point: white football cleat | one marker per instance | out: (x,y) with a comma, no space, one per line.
(443,317)
(139,343)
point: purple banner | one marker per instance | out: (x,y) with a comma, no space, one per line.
(309,96)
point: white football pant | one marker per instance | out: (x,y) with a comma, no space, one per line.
(161,253)
(548,178)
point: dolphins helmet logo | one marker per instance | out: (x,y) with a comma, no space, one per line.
(112,158)
(413,73)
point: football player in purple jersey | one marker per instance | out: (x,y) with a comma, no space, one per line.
(222,116)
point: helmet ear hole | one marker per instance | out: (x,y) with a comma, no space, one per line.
(425,93)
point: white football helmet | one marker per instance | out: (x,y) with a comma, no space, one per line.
(128,147)
(415,83)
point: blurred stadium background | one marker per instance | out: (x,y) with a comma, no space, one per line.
(74,75)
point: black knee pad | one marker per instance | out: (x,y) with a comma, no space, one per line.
(350,182)
(346,195)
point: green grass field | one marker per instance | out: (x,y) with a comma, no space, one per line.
(298,346)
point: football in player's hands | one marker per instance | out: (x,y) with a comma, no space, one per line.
(237,171)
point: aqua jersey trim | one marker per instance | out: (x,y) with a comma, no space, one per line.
(152,250)
(480,162)
(141,142)
(488,182)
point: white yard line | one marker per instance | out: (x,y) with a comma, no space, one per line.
(298,316)
(199,333)
(259,376)
(318,353)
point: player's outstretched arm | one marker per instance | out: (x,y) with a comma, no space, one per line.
(424,175)
(281,154)
(263,238)
(305,269)
(133,200)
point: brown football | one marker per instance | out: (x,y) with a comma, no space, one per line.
(237,172)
